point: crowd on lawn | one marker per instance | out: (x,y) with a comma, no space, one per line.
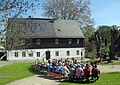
(71,69)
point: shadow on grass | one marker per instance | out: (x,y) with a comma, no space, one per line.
(114,72)
(64,79)
(37,71)
(49,77)
(79,81)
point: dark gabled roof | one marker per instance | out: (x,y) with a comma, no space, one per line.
(44,28)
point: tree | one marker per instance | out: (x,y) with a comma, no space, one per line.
(98,39)
(15,8)
(105,34)
(107,37)
(115,41)
(69,9)
(102,38)
(88,32)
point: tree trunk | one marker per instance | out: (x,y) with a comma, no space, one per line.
(98,51)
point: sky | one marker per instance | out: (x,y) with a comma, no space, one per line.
(104,12)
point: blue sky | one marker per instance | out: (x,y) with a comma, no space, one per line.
(104,12)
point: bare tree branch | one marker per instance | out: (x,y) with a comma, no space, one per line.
(69,9)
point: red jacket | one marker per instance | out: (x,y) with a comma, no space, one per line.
(87,72)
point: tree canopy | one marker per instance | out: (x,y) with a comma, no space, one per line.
(15,8)
(69,9)
(107,37)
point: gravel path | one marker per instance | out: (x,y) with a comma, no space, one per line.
(43,80)
(109,68)
(35,80)
(4,63)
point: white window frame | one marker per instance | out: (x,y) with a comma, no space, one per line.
(38,54)
(67,53)
(56,53)
(69,41)
(23,54)
(78,41)
(38,41)
(56,41)
(16,54)
(77,52)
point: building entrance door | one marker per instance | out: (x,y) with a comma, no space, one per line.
(47,55)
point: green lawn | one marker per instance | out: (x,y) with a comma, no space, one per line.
(14,72)
(105,79)
(20,70)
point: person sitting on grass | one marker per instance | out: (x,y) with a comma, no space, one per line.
(79,72)
(72,72)
(95,73)
(87,72)
(65,71)
(49,68)
(58,69)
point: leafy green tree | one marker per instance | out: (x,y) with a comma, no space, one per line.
(107,38)
(115,41)
(102,39)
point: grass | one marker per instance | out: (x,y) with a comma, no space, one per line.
(105,79)
(14,72)
(22,70)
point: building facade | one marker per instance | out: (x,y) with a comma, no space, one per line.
(35,38)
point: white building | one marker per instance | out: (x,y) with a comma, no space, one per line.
(32,38)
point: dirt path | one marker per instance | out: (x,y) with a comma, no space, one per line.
(44,80)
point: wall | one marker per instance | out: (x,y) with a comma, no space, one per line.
(62,53)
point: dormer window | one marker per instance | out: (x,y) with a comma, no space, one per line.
(56,41)
(69,41)
(78,41)
(51,21)
(38,41)
(59,30)
(33,30)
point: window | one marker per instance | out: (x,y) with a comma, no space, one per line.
(78,41)
(56,41)
(38,54)
(77,52)
(38,41)
(16,54)
(51,21)
(68,53)
(56,53)
(24,54)
(69,41)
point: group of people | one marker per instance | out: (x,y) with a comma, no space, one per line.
(71,69)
